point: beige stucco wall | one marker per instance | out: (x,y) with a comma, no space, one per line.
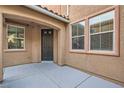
(36,44)
(77,12)
(55,45)
(108,66)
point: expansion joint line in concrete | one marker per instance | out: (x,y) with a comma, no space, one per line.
(51,79)
(82,82)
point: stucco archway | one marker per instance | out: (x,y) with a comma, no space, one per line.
(24,14)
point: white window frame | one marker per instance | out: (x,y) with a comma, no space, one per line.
(77,50)
(103,51)
(18,26)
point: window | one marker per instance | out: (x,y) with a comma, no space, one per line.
(102,31)
(15,37)
(78,35)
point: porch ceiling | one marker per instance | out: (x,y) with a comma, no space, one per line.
(24,22)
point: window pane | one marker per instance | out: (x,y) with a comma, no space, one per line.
(95,42)
(95,28)
(94,20)
(11,35)
(107,16)
(12,44)
(94,24)
(16,44)
(81,28)
(107,25)
(20,43)
(12,28)
(107,41)
(102,17)
(74,30)
(20,32)
(102,22)
(12,31)
(74,43)
(107,21)
(80,42)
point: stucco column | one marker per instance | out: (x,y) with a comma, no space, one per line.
(36,44)
(61,48)
(1,47)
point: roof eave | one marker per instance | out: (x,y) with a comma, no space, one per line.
(41,10)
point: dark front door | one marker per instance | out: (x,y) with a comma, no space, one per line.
(47,44)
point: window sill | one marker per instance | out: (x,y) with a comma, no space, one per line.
(78,51)
(93,52)
(14,50)
(105,53)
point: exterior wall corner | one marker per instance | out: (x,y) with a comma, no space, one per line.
(61,45)
(1,47)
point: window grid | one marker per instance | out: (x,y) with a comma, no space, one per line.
(16,38)
(100,32)
(77,36)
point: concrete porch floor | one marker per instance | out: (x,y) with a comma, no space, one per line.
(50,75)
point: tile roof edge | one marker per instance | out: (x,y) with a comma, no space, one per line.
(45,8)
